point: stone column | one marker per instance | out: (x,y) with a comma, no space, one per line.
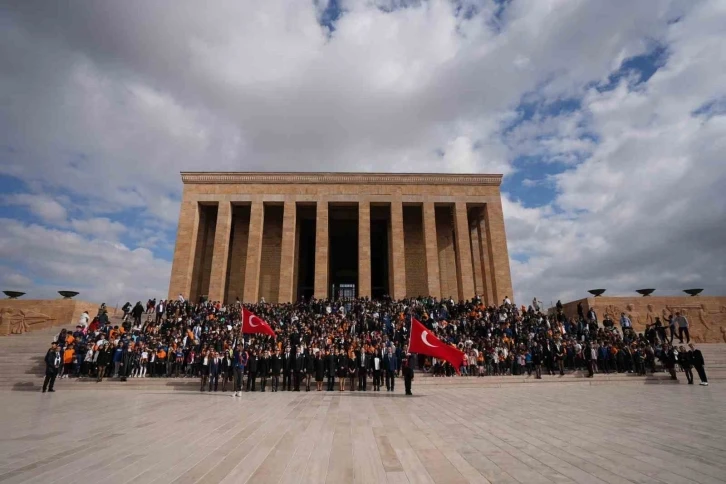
(398,254)
(364,248)
(220,252)
(498,253)
(486,268)
(254,252)
(464,274)
(320,291)
(432,250)
(287,252)
(185,249)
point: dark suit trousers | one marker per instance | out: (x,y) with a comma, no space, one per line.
(376,379)
(331,381)
(287,381)
(699,369)
(296,383)
(362,377)
(213,379)
(48,382)
(390,379)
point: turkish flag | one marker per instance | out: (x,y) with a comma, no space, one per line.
(253,324)
(423,341)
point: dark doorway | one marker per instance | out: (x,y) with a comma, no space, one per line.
(343,250)
(380,223)
(306,251)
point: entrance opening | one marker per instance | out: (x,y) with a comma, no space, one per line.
(305,242)
(202,268)
(380,226)
(343,250)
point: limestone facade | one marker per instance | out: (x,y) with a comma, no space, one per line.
(706,314)
(268,235)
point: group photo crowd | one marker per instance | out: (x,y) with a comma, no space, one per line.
(359,344)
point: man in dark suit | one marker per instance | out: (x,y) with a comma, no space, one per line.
(363,363)
(390,366)
(52,364)
(699,363)
(407,370)
(264,369)
(215,368)
(288,362)
(299,368)
(253,366)
(275,367)
(331,366)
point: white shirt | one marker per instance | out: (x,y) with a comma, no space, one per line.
(376,363)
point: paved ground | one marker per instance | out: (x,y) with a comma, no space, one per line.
(553,433)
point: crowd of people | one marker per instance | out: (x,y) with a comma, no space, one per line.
(356,340)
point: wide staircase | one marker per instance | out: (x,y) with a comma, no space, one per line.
(22,369)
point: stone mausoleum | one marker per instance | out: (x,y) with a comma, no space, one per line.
(282,236)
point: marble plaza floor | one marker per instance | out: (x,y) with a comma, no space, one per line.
(549,434)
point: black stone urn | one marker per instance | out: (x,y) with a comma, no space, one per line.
(596,292)
(13,294)
(645,292)
(68,294)
(693,292)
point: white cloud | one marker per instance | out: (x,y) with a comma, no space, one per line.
(98,269)
(43,206)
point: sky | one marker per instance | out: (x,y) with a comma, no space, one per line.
(607,119)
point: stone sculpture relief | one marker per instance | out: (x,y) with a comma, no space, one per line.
(20,320)
(706,315)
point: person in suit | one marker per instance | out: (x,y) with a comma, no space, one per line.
(699,364)
(309,368)
(264,369)
(287,366)
(206,361)
(275,368)
(298,369)
(376,366)
(407,371)
(319,370)
(363,363)
(227,369)
(215,369)
(352,369)
(52,364)
(331,362)
(253,365)
(239,360)
(390,366)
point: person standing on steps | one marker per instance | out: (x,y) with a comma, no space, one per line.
(52,364)
(699,363)
(408,372)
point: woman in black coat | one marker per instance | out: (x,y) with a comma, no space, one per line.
(309,368)
(319,370)
(342,368)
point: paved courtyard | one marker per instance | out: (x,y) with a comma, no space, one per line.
(549,434)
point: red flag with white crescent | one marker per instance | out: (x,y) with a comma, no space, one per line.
(423,342)
(251,323)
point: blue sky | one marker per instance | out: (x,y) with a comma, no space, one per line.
(607,120)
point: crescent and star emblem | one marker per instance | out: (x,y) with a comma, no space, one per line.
(424,334)
(251,324)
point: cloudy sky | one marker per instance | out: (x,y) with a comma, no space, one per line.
(607,118)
